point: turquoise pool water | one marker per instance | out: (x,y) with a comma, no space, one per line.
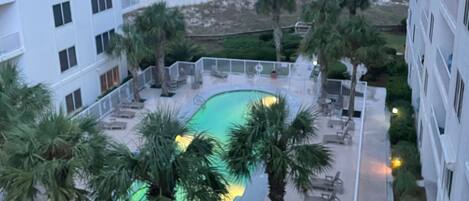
(215,117)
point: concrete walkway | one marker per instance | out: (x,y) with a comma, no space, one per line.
(376,148)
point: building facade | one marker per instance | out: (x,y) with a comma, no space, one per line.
(61,43)
(437,53)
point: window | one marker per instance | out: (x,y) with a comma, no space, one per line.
(458,95)
(100,5)
(62,13)
(425,82)
(413,34)
(103,40)
(67,58)
(73,101)
(432,22)
(109,79)
(466,14)
(448,182)
(420,134)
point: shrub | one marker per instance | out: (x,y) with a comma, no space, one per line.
(390,51)
(266,36)
(398,67)
(397,89)
(402,124)
(337,70)
(404,183)
(409,154)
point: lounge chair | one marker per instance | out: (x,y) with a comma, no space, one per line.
(123,114)
(341,137)
(329,183)
(218,74)
(133,105)
(323,197)
(113,125)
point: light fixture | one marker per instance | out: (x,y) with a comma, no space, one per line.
(396,163)
(395,110)
(315,62)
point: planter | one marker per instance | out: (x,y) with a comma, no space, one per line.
(273,75)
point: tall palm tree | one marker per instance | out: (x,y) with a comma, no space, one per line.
(131,45)
(360,40)
(19,102)
(269,140)
(182,50)
(322,40)
(162,164)
(354,5)
(43,160)
(160,25)
(275,9)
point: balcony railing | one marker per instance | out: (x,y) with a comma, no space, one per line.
(452,7)
(443,62)
(436,133)
(9,44)
(424,19)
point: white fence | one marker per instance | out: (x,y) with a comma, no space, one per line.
(10,43)
(119,95)
(180,71)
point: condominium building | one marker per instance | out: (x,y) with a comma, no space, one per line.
(61,43)
(437,53)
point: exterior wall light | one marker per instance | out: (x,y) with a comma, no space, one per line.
(395,110)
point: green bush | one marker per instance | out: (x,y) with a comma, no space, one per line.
(404,183)
(266,36)
(397,89)
(398,67)
(337,70)
(409,154)
(390,51)
(402,125)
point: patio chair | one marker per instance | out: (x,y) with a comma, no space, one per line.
(341,137)
(133,105)
(329,183)
(113,125)
(123,114)
(323,197)
(218,74)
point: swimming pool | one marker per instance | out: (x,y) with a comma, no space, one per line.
(215,117)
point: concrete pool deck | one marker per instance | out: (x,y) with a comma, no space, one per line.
(300,91)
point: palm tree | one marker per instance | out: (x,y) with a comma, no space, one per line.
(131,45)
(354,5)
(275,8)
(19,102)
(360,40)
(43,160)
(269,140)
(182,50)
(162,164)
(159,25)
(323,39)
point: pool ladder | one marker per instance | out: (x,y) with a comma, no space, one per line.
(199,100)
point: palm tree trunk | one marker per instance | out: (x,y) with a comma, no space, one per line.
(161,69)
(351,105)
(134,73)
(324,64)
(278,34)
(276,187)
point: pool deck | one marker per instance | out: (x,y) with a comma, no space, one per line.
(300,91)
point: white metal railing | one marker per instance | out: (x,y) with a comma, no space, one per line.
(444,68)
(363,85)
(424,19)
(130,5)
(123,93)
(10,43)
(436,133)
(240,66)
(452,7)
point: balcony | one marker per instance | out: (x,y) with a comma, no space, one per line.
(437,132)
(443,64)
(10,46)
(2,2)
(452,8)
